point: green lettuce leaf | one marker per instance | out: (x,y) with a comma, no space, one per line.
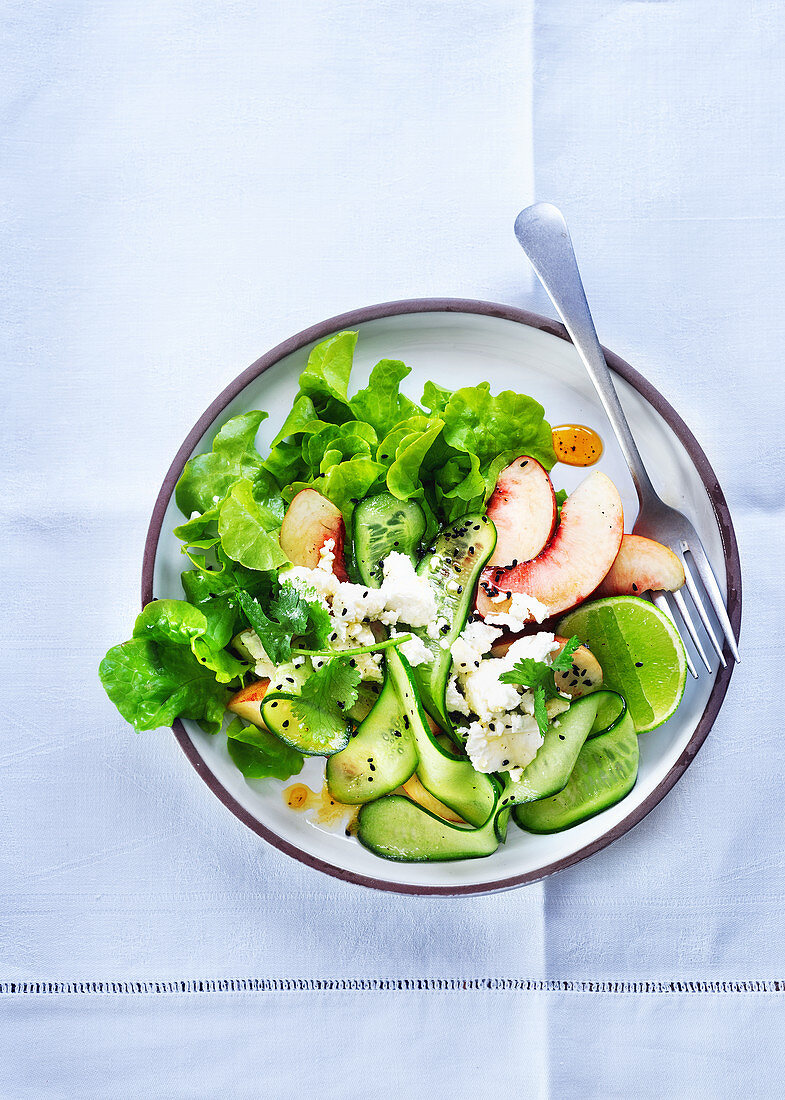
(207,478)
(329,368)
(381,404)
(348,482)
(259,754)
(180,623)
(479,423)
(435,398)
(404,478)
(153,683)
(249,531)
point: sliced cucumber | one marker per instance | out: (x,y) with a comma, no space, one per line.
(381,524)
(610,712)
(398,829)
(550,770)
(406,832)
(279,717)
(452,566)
(604,773)
(381,754)
(450,778)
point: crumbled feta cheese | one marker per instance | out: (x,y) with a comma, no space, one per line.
(523,609)
(486,695)
(311,583)
(438,628)
(407,595)
(538,646)
(194,515)
(454,700)
(475,641)
(263,666)
(415,650)
(503,745)
(356,602)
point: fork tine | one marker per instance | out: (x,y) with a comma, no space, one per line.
(706,573)
(692,588)
(665,608)
(692,629)
(678,599)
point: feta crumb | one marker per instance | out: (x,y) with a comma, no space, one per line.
(194,515)
(263,666)
(407,595)
(415,650)
(523,609)
(437,628)
(454,700)
(507,745)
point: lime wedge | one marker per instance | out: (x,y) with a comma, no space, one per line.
(640,652)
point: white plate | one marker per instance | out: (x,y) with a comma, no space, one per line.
(457,344)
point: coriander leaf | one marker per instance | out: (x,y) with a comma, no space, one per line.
(207,478)
(249,531)
(274,636)
(259,754)
(540,713)
(291,609)
(563,662)
(329,367)
(326,696)
(153,683)
(526,673)
(287,614)
(381,404)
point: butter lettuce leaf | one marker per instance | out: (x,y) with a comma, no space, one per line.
(259,754)
(249,530)
(381,404)
(329,367)
(153,683)
(479,423)
(207,478)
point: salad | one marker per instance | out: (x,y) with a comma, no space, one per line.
(398,588)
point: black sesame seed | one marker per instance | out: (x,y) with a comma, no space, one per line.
(525,463)
(505,763)
(561,736)
(445,628)
(406,721)
(634,587)
(353,663)
(340,704)
(343,612)
(639,664)
(471,549)
(459,589)
(274,704)
(285,723)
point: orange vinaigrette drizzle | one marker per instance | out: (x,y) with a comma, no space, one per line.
(329,811)
(576,445)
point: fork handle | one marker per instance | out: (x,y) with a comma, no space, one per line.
(543,235)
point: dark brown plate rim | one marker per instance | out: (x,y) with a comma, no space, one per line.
(655,399)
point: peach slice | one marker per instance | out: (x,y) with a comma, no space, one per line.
(575,560)
(248,702)
(311,520)
(640,566)
(523,510)
(584,676)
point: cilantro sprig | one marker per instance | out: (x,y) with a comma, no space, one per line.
(288,615)
(326,696)
(539,678)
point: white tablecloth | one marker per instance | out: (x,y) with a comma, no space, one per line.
(183,185)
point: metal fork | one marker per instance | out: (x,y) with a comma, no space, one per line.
(543,235)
